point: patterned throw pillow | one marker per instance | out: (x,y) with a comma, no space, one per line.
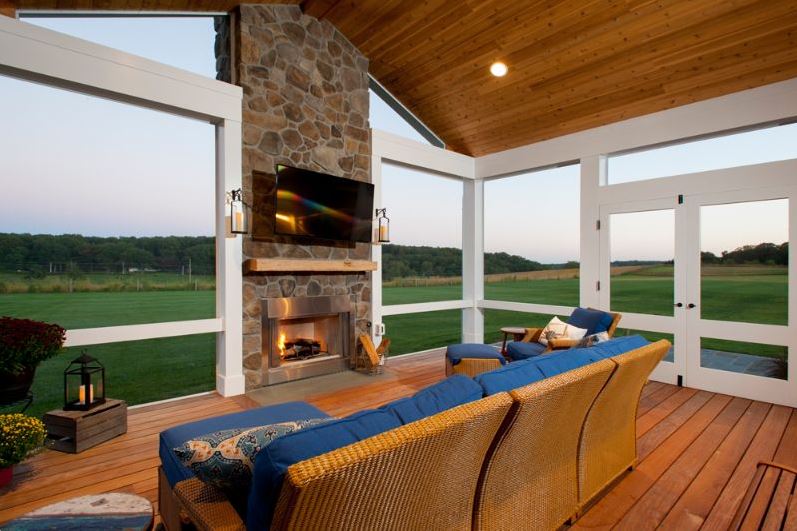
(226,458)
(593,339)
(556,329)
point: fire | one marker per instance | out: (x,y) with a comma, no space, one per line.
(281,344)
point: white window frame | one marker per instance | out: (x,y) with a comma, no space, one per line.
(36,54)
(743,110)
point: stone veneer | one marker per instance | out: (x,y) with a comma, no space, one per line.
(305,104)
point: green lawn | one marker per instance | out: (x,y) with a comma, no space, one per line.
(137,371)
(91,310)
(145,371)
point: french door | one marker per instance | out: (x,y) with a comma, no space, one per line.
(709,273)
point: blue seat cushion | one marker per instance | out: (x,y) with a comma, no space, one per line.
(173,437)
(455,353)
(273,461)
(451,392)
(593,320)
(512,376)
(518,350)
(619,345)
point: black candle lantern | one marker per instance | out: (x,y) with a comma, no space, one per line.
(238,221)
(84,383)
(383,224)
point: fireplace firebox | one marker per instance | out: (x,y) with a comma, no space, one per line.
(307,336)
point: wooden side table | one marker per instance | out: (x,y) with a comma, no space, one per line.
(516,332)
(75,431)
(115,511)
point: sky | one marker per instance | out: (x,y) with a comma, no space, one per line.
(78,164)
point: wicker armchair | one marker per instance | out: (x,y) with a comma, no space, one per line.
(530,479)
(608,439)
(563,343)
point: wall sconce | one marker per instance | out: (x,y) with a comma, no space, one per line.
(383,222)
(238,221)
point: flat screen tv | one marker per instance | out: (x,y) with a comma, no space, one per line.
(316,205)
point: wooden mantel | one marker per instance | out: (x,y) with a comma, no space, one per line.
(280,265)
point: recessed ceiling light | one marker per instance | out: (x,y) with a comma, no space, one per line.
(498,69)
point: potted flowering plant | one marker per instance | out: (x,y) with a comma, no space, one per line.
(21,436)
(23,345)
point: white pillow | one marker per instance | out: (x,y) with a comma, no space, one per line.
(556,329)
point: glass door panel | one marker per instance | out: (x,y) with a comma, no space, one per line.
(642,253)
(638,274)
(744,265)
(738,299)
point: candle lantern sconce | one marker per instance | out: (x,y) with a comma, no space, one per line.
(383,225)
(238,220)
(84,383)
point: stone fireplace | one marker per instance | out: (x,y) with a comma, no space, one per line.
(306,336)
(305,104)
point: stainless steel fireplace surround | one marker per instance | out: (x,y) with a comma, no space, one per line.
(326,320)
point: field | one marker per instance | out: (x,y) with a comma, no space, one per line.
(145,371)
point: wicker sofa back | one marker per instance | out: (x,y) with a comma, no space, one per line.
(608,439)
(530,478)
(422,475)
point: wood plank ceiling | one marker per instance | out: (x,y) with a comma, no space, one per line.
(573,64)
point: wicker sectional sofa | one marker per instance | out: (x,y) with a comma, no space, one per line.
(527,446)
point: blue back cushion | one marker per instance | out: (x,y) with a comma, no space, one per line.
(512,376)
(173,437)
(619,345)
(273,461)
(566,360)
(518,350)
(593,320)
(451,392)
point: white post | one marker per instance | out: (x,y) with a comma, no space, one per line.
(229,261)
(376,254)
(593,175)
(473,259)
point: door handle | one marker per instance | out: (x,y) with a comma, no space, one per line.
(690,305)
(679,305)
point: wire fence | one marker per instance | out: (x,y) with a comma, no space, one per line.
(72,277)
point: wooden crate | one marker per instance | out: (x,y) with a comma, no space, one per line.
(75,431)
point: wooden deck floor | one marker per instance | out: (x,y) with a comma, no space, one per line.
(697,450)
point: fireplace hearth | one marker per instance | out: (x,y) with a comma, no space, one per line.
(306,336)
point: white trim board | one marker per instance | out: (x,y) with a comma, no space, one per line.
(400,150)
(768,104)
(116,334)
(37,54)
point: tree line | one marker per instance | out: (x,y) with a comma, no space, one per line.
(402,261)
(69,253)
(763,253)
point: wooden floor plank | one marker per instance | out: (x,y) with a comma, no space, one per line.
(651,509)
(697,500)
(650,419)
(654,437)
(762,448)
(650,401)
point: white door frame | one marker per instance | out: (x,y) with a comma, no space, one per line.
(744,385)
(774,181)
(666,371)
